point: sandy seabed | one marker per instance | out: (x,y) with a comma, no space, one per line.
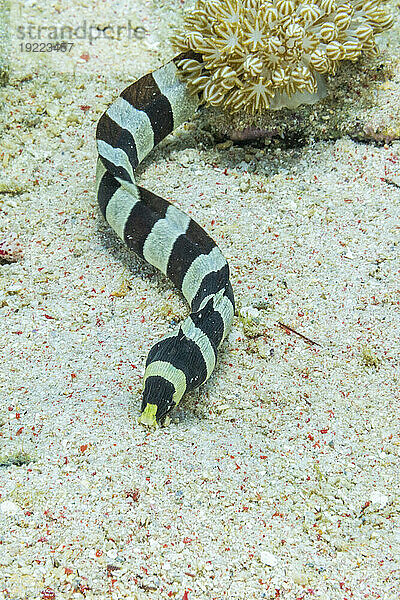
(279,478)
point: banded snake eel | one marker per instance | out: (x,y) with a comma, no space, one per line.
(157,231)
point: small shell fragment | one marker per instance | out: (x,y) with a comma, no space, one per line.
(268,559)
(10,508)
(377,497)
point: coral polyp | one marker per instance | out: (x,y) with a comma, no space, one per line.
(258,55)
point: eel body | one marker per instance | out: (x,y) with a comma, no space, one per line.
(156,230)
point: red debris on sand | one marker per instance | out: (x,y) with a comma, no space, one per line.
(10,250)
(133,494)
(48,594)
